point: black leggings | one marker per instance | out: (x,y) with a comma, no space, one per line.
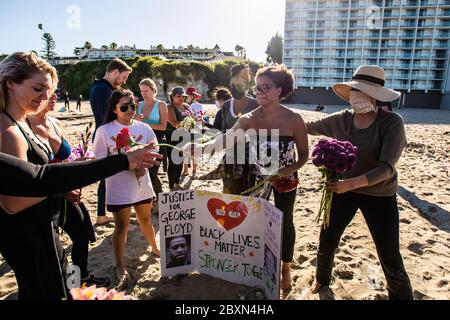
(156,182)
(78,226)
(101,199)
(285,202)
(381,215)
(174,170)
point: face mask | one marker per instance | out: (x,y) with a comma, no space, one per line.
(361,102)
(218,104)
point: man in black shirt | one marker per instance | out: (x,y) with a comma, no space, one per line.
(116,75)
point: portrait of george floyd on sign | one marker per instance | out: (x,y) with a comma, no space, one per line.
(234,238)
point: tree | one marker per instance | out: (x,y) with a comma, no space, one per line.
(113,45)
(159,47)
(87,45)
(49,46)
(274,49)
(104,47)
(190,47)
(241,51)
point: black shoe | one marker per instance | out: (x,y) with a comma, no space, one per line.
(99,282)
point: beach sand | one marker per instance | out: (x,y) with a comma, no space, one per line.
(424,204)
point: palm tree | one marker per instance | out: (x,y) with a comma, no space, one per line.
(159,47)
(104,47)
(113,45)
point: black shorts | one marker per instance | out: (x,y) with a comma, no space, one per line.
(117,207)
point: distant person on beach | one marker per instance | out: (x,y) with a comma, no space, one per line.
(66,100)
(130,188)
(372,184)
(320,107)
(79,101)
(116,75)
(178,249)
(75,219)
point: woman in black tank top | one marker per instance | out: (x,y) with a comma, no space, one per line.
(28,240)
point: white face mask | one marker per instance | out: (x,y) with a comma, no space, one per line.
(218,104)
(361,102)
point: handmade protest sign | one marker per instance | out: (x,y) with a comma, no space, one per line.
(230,237)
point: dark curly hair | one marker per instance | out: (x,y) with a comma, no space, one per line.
(281,76)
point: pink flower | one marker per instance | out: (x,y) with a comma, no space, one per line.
(94,293)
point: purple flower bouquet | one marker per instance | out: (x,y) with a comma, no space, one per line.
(332,158)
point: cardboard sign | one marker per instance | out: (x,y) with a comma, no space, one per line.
(230,237)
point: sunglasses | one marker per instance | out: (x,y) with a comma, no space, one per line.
(263,88)
(125,107)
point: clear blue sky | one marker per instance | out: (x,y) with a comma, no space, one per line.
(249,23)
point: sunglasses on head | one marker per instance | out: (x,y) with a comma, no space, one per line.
(130,105)
(263,88)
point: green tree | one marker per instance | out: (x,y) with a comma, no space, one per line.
(159,47)
(113,45)
(274,49)
(49,46)
(104,47)
(87,45)
(190,47)
(241,51)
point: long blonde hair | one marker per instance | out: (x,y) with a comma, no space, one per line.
(21,66)
(151,84)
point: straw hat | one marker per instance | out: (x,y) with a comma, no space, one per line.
(370,80)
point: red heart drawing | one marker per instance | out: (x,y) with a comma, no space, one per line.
(228,215)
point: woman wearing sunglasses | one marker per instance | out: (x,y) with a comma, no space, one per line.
(274,84)
(123,190)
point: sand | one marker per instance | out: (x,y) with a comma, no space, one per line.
(424,204)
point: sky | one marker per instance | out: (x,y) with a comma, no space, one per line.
(203,23)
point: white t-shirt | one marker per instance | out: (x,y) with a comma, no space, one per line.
(123,188)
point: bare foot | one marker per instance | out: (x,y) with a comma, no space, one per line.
(156,252)
(286,282)
(104,219)
(123,278)
(315,287)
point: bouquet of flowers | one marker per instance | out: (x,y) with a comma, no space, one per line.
(94,293)
(191,119)
(84,147)
(332,158)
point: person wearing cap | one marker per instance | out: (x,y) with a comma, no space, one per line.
(175,110)
(371,185)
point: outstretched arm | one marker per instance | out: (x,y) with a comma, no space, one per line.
(21,178)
